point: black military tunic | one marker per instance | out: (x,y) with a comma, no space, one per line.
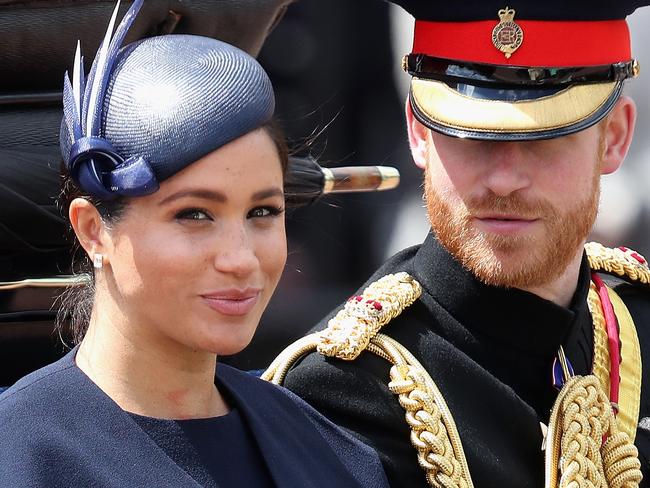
(490,351)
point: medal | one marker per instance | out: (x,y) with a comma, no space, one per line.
(507,36)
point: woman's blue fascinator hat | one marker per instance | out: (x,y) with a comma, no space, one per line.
(148,110)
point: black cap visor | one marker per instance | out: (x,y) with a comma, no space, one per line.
(510,113)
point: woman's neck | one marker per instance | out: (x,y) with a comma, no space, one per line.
(146,376)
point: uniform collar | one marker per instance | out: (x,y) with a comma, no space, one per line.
(516,318)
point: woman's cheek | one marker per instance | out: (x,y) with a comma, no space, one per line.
(274,253)
(153,260)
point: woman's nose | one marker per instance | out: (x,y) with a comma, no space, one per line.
(235,253)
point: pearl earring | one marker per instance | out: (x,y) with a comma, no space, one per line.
(98,261)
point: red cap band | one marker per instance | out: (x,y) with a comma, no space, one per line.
(545,43)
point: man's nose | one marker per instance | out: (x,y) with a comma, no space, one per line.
(508,169)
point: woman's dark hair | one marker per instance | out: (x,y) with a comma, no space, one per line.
(76,302)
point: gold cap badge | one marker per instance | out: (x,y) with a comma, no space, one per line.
(507,36)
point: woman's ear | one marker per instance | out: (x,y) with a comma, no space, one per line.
(418,134)
(617,134)
(89,229)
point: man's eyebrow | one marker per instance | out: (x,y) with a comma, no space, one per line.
(204,194)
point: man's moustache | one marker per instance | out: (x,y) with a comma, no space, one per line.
(511,205)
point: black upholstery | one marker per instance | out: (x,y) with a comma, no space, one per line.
(39,36)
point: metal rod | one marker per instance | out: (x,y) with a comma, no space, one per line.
(360,178)
(55,282)
(45,98)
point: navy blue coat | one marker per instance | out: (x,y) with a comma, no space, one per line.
(58,429)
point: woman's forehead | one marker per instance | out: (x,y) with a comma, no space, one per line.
(244,165)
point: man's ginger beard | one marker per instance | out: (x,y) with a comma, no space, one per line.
(513,261)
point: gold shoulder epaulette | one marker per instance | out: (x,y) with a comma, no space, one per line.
(619,261)
(352,329)
(363,316)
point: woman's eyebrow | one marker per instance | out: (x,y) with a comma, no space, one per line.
(196,193)
(268,193)
(219,197)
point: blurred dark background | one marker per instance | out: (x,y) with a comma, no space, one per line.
(340,97)
(332,72)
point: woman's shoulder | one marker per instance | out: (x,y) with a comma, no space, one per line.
(38,388)
(34,425)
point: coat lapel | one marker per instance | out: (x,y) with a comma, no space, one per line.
(295,452)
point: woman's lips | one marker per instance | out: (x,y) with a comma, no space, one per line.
(232,302)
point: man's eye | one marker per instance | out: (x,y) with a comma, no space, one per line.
(193,214)
(264,212)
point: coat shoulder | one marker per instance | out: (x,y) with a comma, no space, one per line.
(38,388)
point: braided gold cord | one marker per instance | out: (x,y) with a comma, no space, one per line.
(280,366)
(350,331)
(622,466)
(624,263)
(581,418)
(433,430)
(627,416)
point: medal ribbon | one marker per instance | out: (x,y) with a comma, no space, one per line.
(617,356)
(613,340)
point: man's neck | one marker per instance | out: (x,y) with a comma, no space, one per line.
(561,289)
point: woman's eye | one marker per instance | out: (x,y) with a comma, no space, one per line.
(193,214)
(264,212)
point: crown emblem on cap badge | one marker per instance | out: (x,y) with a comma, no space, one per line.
(507,35)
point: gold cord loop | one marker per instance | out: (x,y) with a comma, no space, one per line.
(433,431)
(577,456)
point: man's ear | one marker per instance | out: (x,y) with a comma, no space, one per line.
(418,134)
(88,227)
(617,134)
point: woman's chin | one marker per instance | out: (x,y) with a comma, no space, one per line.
(226,346)
(224,337)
